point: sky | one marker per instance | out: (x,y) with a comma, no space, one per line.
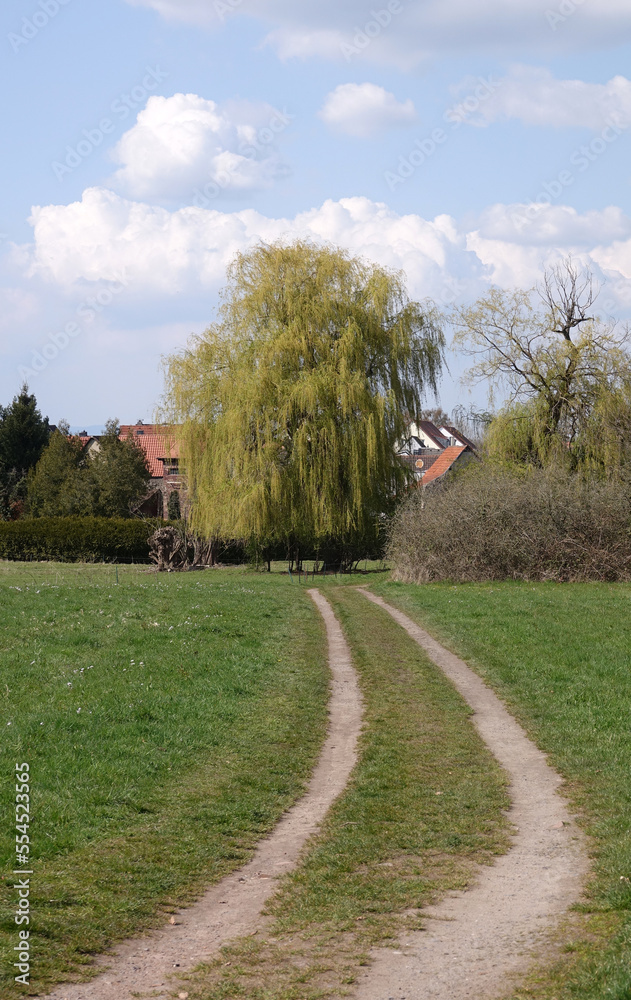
(468,143)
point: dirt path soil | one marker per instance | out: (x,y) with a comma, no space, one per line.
(233,907)
(477,941)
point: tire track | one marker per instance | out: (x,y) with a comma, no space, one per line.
(232,908)
(479,941)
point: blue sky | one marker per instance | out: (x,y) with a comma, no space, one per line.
(146,142)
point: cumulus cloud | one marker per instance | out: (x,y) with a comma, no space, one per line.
(417,29)
(364,110)
(515,242)
(164,253)
(166,267)
(532,95)
(185,143)
(548,225)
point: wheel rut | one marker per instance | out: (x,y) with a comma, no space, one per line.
(232,908)
(478,942)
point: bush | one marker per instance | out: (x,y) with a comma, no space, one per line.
(77,539)
(493,524)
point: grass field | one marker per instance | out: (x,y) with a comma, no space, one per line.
(202,708)
(560,656)
(167,721)
(423,808)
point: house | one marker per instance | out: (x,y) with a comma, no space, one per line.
(456,437)
(431,452)
(425,436)
(162,456)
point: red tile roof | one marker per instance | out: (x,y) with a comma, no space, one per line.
(443,463)
(126,429)
(155,447)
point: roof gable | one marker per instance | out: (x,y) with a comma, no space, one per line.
(455,433)
(431,431)
(444,463)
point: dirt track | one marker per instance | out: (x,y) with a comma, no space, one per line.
(233,907)
(477,941)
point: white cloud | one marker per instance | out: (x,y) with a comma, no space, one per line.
(515,242)
(173,263)
(105,235)
(550,225)
(163,254)
(365,110)
(417,29)
(533,95)
(183,143)
(325,43)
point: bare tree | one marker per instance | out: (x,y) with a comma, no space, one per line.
(545,347)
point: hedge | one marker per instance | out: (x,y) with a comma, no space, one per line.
(487,523)
(77,539)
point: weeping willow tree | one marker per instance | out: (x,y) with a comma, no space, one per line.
(289,406)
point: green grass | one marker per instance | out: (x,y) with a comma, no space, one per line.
(167,720)
(423,808)
(194,734)
(560,656)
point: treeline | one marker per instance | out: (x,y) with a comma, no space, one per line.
(45,473)
(292,403)
(68,483)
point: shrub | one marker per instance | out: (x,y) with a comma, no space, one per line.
(76,539)
(494,524)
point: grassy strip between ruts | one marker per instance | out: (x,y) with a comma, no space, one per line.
(560,656)
(168,721)
(424,805)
